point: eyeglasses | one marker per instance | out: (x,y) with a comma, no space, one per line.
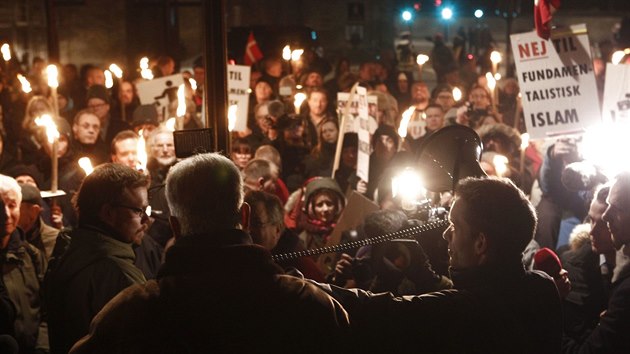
(139,212)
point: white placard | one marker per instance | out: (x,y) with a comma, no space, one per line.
(162,92)
(557,82)
(616,105)
(238,83)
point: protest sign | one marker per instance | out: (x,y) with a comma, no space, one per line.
(616,105)
(238,83)
(557,82)
(162,92)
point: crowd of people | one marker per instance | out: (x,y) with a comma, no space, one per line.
(175,255)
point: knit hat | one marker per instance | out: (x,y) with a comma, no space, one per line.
(31,194)
(547,261)
(98,91)
(145,114)
(24,170)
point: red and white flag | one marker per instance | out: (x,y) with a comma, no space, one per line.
(252,51)
(543,13)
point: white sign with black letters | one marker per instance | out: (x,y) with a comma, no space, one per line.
(238,83)
(557,82)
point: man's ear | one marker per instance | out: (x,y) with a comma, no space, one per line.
(246,212)
(175,227)
(260,182)
(481,246)
(106,213)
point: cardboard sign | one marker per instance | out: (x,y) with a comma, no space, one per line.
(162,92)
(357,208)
(238,83)
(616,105)
(557,82)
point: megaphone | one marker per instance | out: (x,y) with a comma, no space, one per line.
(448,155)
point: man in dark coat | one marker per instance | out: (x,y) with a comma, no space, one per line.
(217,292)
(99,262)
(611,335)
(495,306)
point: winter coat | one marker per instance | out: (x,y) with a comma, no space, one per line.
(218,293)
(500,309)
(23,267)
(91,272)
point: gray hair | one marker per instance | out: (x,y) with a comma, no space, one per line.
(205,193)
(8,184)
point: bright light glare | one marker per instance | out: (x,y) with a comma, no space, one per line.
(492,83)
(524,141)
(409,186)
(457,94)
(296,54)
(406,15)
(422,58)
(193,84)
(170,124)
(141,152)
(86,165)
(495,57)
(232,117)
(606,146)
(181,101)
(497,76)
(406,117)
(47,122)
(109,79)
(447,13)
(298,100)
(116,70)
(478,13)
(26,86)
(6,52)
(617,57)
(500,163)
(286,53)
(52,73)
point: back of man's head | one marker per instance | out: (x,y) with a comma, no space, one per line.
(205,193)
(497,208)
(106,184)
(258,171)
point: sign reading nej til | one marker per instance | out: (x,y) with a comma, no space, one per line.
(557,81)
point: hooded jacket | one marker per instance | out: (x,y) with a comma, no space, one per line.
(93,270)
(218,293)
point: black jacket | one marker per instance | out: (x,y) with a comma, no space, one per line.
(500,309)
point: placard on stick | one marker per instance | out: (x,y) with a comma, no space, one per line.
(557,82)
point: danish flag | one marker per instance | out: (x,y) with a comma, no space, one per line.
(252,51)
(543,12)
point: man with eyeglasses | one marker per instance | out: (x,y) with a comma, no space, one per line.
(98,102)
(85,130)
(99,261)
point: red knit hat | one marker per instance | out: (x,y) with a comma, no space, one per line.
(547,261)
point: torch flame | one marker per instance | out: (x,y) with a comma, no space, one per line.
(457,94)
(52,72)
(296,54)
(47,122)
(232,117)
(524,141)
(116,70)
(86,165)
(495,57)
(142,152)
(193,84)
(26,86)
(144,63)
(286,53)
(6,52)
(170,124)
(500,164)
(109,79)
(492,83)
(406,117)
(422,58)
(298,100)
(181,101)
(145,72)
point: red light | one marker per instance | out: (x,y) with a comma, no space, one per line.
(438,3)
(417,6)
(470,57)
(231,62)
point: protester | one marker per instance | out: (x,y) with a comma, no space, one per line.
(36,231)
(98,262)
(23,267)
(495,304)
(86,129)
(261,312)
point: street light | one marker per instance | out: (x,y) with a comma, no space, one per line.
(478,13)
(406,15)
(447,13)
